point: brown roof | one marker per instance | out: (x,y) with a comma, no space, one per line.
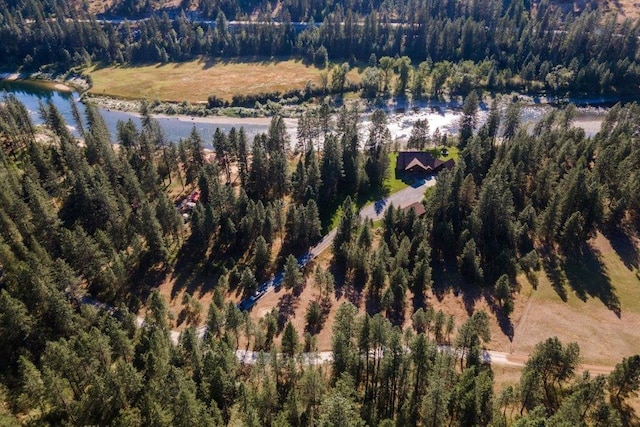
(416,161)
(417,207)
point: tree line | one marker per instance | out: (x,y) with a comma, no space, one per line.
(453,45)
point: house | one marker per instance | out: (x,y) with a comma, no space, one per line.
(420,163)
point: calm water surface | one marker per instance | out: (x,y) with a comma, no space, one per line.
(32,93)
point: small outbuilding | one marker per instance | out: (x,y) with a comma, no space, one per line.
(417,207)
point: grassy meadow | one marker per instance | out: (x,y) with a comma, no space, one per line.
(196,80)
(591,299)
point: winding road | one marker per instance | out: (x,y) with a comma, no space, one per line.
(374,211)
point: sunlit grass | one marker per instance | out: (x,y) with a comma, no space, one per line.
(194,81)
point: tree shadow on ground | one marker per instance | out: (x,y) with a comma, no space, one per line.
(211,61)
(419,301)
(625,247)
(146,277)
(446,277)
(352,293)
(587,276)
(504,321)
(193,272)
(372,303)
(553,267)
(182,317)
(286,309)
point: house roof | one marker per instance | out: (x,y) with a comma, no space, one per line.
(417,207)
(417,163)
(420,160)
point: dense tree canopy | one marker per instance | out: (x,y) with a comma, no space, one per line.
(458,45)
(85,221)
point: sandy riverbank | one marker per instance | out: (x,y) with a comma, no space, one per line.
(222,120)
(46,80)
(9,76)
(62,87)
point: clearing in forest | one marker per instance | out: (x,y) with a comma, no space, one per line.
(196,80)
(594,303)
(592,300)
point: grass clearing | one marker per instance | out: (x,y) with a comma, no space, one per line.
(452,153)
(592,301)
(194,81)
(392,182)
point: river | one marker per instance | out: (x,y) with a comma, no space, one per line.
(442,116)
(32,93)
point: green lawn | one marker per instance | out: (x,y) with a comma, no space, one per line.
(391,182)
(453,153)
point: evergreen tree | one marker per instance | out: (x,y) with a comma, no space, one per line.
(293,278)
(469,118)
(261,256)
(290,340)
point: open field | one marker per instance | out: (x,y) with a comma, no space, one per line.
(594,302)
(196,80)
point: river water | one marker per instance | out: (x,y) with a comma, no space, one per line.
(32,93)
(442,116)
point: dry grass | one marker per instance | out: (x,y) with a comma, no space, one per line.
(604,337)
(628,8)
(196,80)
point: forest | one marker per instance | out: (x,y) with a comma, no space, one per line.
(445,46)
(91,224)
(83,219)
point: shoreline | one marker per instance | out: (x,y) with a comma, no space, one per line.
(221,119)
(402,112)
(68,83)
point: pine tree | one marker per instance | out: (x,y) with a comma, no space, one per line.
(624,381)
(152,232)
(290,340)
(293,278)
(261,257)
(469,118)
